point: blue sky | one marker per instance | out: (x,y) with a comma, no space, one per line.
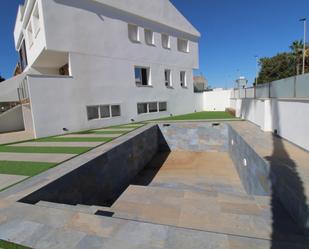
(233,32)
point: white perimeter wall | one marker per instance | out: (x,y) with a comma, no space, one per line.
(217,100)
(12,120)
(289,117)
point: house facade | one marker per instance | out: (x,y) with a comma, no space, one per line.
(94,63)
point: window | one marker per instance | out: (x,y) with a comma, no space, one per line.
(166,41)
(23,56)
(115,110)
(30,35)
(151,107)
(93,112)
(142,108)
(133,33)
(149,37)
(36,20)
(142,76)
(183,45)
(183,80)
(103,111)
(167,77)
(162,106)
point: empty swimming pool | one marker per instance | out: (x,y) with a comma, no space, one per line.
(202,176)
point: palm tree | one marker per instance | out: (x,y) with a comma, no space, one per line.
(297,49)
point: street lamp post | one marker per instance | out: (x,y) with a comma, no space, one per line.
(256,75)
(304,20)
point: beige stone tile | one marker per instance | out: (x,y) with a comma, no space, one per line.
(35,157)
(95,225)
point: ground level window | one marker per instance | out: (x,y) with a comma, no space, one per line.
(142,108)
(151,107)
(115,110)
(142,76)
(93,112)
(103,111)
(162,106)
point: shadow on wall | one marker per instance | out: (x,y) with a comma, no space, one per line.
(287,193)
(103,10)
(286,184)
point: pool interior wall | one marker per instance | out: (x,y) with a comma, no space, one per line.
(101,181)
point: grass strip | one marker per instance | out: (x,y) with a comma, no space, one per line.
(105,132)
(24,168)
(9,245)
(201,116)
(75,139)
(34,149)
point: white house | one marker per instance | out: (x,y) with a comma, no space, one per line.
(93,63)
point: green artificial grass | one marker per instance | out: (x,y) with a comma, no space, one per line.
(201,116)
(9,245)
(106,132)
(24,168)
(74,139)
(34,149)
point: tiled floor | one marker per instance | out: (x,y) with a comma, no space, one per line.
(197,191)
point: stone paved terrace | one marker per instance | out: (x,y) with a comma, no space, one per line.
(180,200)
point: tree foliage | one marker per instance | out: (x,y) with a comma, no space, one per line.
(283,65)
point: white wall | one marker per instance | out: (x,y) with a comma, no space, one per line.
(217,100)
(12,120)
(288,117)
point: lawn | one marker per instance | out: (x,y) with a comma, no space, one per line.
(74,139)
(8,245)
(24,168)
(60,150)
(201,116)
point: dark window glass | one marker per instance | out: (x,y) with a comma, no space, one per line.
(104,111)
(162,106)
(153,107)
(116,110)
(92,112)
(142,108)
(23,56)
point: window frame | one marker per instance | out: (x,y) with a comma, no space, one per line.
(168,81)
(148,109)
(100,116)
(36,20)
(187,46)
(183,80)
(111,110)
(151,40)
(148,75)
(30,34)
(98,112)
(168,45)
(138,38)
